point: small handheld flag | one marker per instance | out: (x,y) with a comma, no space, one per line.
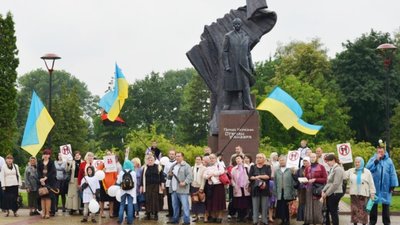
(38,126)
(288,111)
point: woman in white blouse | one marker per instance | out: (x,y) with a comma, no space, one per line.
(10,179)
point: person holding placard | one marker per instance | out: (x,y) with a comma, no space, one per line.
(73,198)
(110,170)
(316,178)
(61,183)
(301,186)
(361,188)
(385,180)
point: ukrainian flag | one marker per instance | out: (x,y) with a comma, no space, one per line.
(288,111)
(113,101)
(38,126)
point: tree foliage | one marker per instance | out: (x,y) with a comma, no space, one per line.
(192,126)
(156,100)
(8,76)
(38,80)
(361,77)
(303,70)
(70,126)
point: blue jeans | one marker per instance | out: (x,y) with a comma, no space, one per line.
(184,200)
(124,198)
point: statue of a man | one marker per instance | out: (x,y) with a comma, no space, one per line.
(238,67)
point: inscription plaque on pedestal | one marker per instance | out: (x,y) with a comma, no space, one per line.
(243,123)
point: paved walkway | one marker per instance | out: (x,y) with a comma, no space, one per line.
(65,219)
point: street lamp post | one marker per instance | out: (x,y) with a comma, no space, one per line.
(387,51)
(51,58)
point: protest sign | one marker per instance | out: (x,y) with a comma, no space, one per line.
(344,153)
(110,163)
(293,159)
(66,152)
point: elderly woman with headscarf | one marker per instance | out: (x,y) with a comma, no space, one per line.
(362,187)
(128,193)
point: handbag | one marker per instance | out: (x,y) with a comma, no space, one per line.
(20,203)
(195,197)
(202,196)
(141,198)
(224,179)
(317,189)
(43,191)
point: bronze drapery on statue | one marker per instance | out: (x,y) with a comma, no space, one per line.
(206,57)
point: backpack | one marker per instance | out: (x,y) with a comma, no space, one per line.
(127,181)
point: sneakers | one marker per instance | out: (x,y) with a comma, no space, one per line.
(84,220)
(94,220)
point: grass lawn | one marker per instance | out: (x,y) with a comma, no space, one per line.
(394,207)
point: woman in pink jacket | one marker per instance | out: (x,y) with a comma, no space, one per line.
(240,184)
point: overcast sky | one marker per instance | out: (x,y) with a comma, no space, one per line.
(154,35)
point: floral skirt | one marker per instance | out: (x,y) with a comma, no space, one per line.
(358,213)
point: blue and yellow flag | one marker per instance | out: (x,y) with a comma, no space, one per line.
(113,101)
(38,126)
(288,111)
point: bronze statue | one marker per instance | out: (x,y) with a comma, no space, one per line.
(238,65)
(207,57)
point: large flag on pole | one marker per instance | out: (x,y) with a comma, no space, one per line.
(38,126)
(113,101)
(288,111)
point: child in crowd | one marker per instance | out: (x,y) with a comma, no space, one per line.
(90,184)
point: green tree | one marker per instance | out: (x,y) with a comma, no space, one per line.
(306,60)
(361,77)
(304,71)
(156,100)
(70,126)
(38,80)
(395,127)
(8,76)
(194,113)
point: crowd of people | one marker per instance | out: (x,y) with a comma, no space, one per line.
(261,191)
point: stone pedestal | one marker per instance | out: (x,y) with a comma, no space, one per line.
(242,126)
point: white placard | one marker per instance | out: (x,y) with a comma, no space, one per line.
(303,179)
(344,153)
(110,163)
(293,158)
(66,152)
